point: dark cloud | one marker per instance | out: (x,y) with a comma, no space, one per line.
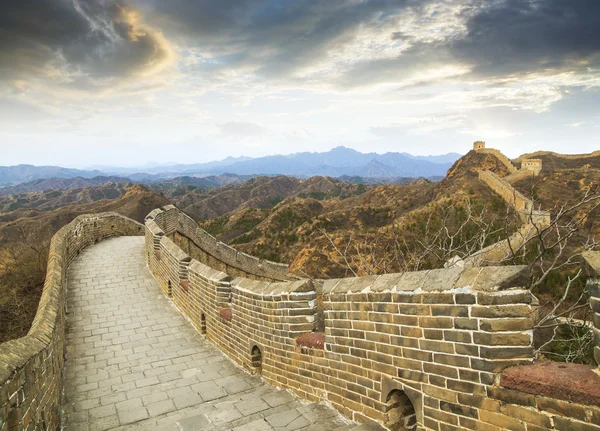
(33,31)
(514,36)
(93,41)
(274,38)
(506,37)
(399,35)
(84,39)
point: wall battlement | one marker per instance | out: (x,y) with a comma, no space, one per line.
(562,156)
(424,346)
(515,199)
(205,248)
(533,165)
(31,367)
(518,176)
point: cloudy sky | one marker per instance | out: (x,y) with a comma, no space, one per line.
(126,82)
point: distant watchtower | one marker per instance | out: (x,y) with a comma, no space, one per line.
(533,165)
(478,145)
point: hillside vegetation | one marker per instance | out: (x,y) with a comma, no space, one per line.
(325,228)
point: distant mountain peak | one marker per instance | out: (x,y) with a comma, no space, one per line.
(341,148)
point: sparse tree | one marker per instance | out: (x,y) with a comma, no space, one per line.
(458,234)
(22,273)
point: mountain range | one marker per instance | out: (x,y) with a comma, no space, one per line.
(337,162)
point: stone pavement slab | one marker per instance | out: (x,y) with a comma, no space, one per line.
(134,362)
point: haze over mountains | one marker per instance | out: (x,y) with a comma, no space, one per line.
(340,161)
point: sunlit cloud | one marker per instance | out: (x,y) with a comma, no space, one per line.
(417,76)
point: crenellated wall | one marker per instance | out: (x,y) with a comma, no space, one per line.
(532,165)
(515,199)
(31,367)
(538,154)
(424,346)
(205,248)
(521,174)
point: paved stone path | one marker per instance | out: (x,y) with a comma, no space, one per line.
(134,362)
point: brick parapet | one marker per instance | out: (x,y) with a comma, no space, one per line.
(31,367)
(439,336)
(539,154)
(205,248)
(508,193)
(515,199)
(518,176)
(515,409)
(534,166)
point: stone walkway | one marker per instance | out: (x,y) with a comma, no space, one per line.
(134,362)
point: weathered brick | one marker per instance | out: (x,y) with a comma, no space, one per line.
(458,336)
(409,331)
(436,346)
(494,311)
(501,325)
(511,396)
(527,415)
(523,297)
(464,323)
(478,401)
(502,339)
(453,360)
(467,387)
(436,322)
(441,370)
(559,407)
(459,409)
(464,298)
(505,352)
(450,310)
(438,298)
(567,424)
(501,420)
(433,334)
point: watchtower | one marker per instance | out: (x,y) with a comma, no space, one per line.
(533,165)
(478,145)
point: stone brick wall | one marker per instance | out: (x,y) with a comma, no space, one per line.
(478,145)
(538,154)
(532,165)
(506,191)
(31,367)
(515,199)
(438,338)
(205,248)
(517,176)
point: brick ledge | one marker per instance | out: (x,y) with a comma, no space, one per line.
(570,382)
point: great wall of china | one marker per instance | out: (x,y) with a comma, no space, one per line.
(32,367)
(440,349)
